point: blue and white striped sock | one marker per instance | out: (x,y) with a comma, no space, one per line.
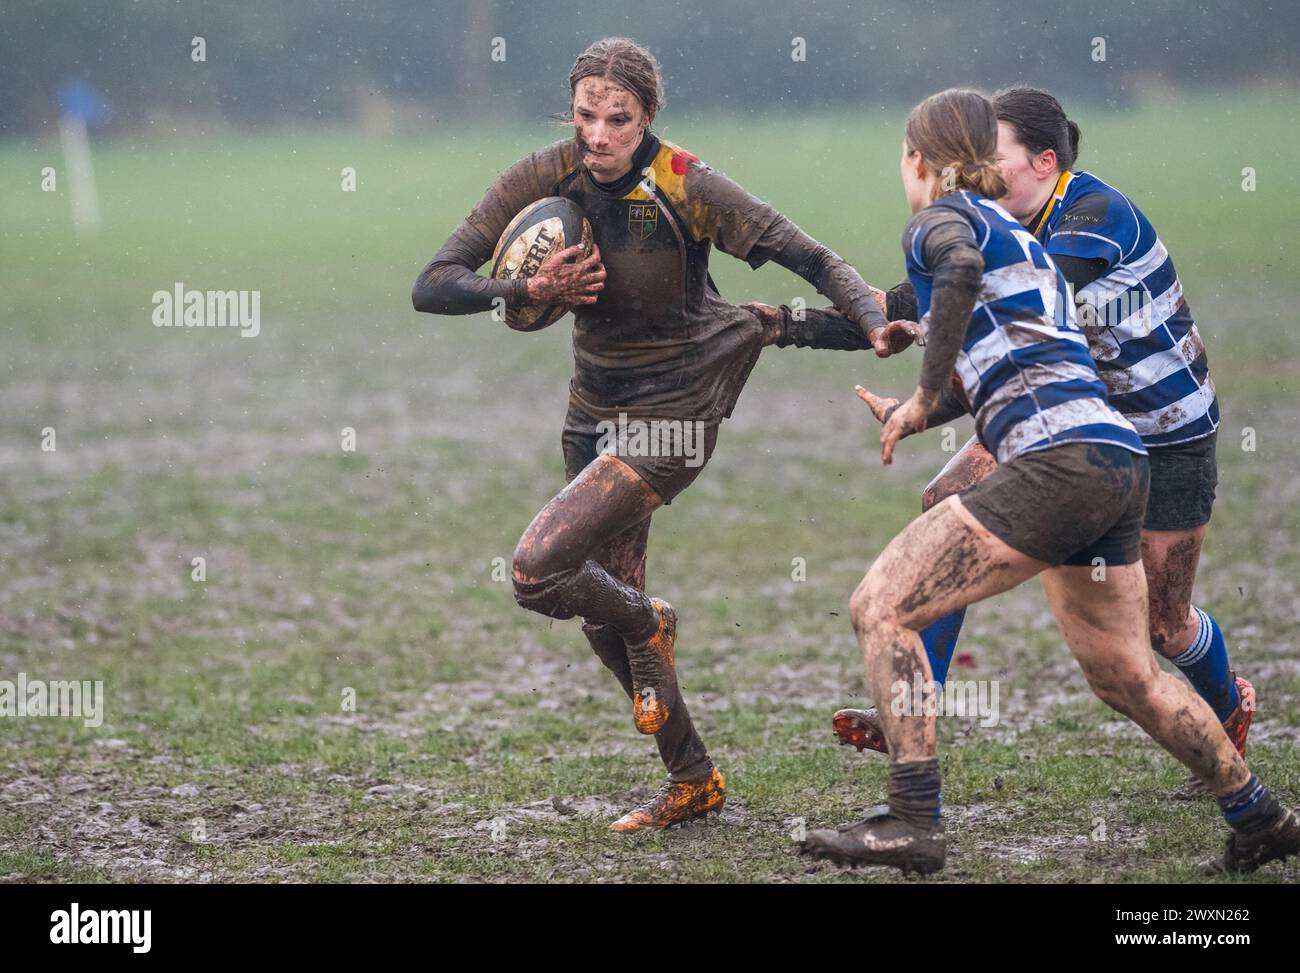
(1205,664)
(1252,804)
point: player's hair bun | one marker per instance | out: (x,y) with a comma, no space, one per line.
(983,177)
(956,132)
(1075,137)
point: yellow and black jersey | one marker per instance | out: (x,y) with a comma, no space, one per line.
(660,341)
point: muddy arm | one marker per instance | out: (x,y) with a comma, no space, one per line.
(900,302)
(824,328)
(957,265)
(745,227)
(952,405)
(828,329)
(448,284)
(853,305)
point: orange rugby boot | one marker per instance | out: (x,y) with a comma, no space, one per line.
(676,803)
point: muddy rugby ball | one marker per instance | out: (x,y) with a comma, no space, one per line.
(540,229)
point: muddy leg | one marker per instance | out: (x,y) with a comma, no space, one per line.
(680,746)
(624,557)
(968,466)
(1170,559)
(553,570)
(1105,624)
(942,561)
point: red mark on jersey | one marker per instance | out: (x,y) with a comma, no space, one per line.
(680,158)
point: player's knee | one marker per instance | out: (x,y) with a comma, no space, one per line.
(1122,687)
(535,586)
(1110,691)
(605,641)
(868,607)
(530,562)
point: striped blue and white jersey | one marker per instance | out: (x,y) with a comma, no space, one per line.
(1024,364)
(1135,316)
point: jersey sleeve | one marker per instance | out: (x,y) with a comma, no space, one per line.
(1095,227)
(949,251)
(900,302)
(528,180)
(719,210)
(913,241)
(931,233)
(449,283)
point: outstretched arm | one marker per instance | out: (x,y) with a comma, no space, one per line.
(748,228)
(792,248)
(828,329)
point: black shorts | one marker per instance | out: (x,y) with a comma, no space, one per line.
(1183,479)
(667,453)
(1068,504)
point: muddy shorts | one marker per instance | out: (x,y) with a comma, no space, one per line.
(1183,479)
(667,453)
(1067,504)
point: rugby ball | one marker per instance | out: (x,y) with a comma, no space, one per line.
(540,229)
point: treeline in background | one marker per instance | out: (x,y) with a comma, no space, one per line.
(395,64)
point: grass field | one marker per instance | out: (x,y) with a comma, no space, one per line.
(488,743)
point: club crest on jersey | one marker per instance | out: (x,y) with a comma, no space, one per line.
(642,219)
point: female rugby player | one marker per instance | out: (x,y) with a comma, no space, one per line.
(653,343)
(1149,354)
(1070,485)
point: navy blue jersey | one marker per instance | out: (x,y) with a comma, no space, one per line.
(1135,316)
(1024,363)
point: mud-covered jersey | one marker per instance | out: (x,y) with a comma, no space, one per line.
(1139,327)
(660,341)
(1024,365)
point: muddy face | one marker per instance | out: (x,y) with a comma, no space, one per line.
(608,121)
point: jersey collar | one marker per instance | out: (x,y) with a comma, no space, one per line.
(1057,195)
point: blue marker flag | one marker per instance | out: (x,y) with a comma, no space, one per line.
(78,100)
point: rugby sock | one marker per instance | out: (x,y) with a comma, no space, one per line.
(1205,664)
(940,641)
(1249,807)
(914,792)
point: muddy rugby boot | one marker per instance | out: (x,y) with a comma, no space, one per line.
(654,671)
(882,839)
(1275,838)
(676,803)
(860,728)
(1237,726)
